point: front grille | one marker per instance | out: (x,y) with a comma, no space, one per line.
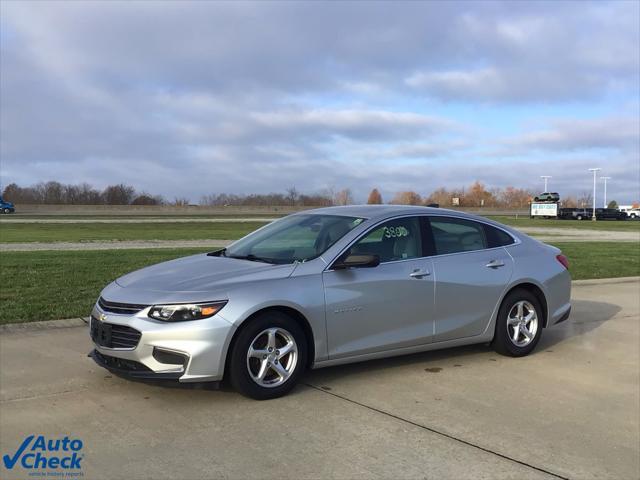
(122,308)
(111,335)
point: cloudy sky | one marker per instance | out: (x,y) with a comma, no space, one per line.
(185,99)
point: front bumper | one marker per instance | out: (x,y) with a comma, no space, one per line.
(130,368)
(192,351)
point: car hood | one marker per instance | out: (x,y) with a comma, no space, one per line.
(188,276)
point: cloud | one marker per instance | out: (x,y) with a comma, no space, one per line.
(579,134)
(507,84)
(400,151)
(358,124)
(185,99)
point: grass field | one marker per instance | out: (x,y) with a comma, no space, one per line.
(83,232)
(50,285)
(128,216)
(624,226)
(601,259)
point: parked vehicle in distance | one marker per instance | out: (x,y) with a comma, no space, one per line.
(547,197)
(610,214)
(587,214)
(574,214)
(6,207)
(327,287)
(632,213)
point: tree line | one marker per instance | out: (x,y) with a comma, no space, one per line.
(475,195)
(56,193)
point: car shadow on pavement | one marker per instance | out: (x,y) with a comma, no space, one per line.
(585,317)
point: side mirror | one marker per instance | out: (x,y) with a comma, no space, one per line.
(357,261)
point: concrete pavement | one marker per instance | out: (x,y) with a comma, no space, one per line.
(571,410)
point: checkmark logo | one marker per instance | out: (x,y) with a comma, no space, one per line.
(10,462)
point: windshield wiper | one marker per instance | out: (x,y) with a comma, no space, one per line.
(251,257)
(218,253)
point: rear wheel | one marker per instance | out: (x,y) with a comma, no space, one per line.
(519,324)
(268,356)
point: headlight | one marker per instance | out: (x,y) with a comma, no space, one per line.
(185,312)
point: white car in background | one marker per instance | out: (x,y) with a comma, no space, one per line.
(631,212)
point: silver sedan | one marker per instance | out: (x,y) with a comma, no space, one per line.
(327,287)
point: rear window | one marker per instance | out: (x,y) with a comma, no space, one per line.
(453,235)
(497,237)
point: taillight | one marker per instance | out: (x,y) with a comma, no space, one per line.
(563,260)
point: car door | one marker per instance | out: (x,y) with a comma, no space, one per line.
(471,277)
(385,307)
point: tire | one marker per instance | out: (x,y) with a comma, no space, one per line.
(273,330)
(503,340)
(7,211)
(579,217)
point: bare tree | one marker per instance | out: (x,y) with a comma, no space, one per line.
(585,199)
(478,196)
(292,195)
(407,198)
(344,197)
(440,196)
(54,193)
(512,197)
(118,194)
(180,202)
(147,199)
(569,202)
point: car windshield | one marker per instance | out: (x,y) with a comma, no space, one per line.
(294,238)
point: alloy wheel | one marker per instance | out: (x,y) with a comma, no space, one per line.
(522,323)
(272,357)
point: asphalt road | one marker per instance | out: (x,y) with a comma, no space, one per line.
(571,410)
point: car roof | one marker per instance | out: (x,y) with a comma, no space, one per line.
(382,211)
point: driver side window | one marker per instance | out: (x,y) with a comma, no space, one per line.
(397,239)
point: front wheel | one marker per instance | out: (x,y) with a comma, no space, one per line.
(519,324)
(7,211)
(268,356)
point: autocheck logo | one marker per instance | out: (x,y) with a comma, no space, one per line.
(36,453)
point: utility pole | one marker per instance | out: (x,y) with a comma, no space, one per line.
(595,171)
(545,177)
(605,189)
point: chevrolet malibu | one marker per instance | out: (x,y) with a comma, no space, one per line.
(327,287)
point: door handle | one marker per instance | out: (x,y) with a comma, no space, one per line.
(495,264)
(419,273)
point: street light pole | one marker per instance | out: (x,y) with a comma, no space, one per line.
(545,177)
(605,189)
(595,171)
